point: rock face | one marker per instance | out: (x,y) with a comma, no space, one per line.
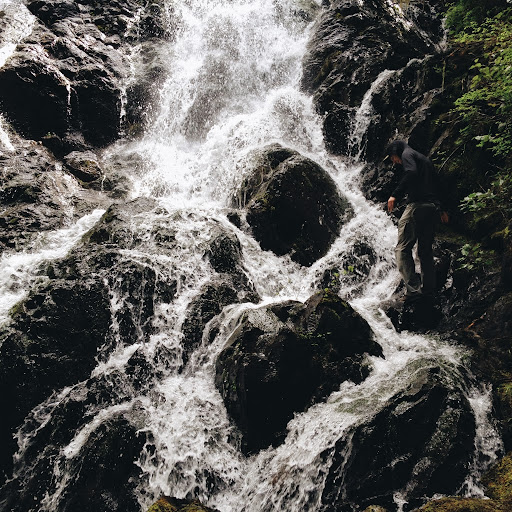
(351,45)
(104,475)
(55,335)
(232,286)
(420,444)
(34,194)
(285,357)
(108,466)
(64,83)
(293,205)
(355,264)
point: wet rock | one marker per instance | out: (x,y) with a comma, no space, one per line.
(54,86)
(106,476)
(506,266)
(462,295)
(100,477)
(51,343)
(419,315)
(83,165)
(167,504)
(119,167)
(293,205)
(232,286)
(355,265)
(378,183)
(209,303)
(419,445)
(67,76)
(284,357)
(490,338)
(115,228)
(143,91)
(36,195)
(57,334)
(498,482)
(461,505)
(351,45)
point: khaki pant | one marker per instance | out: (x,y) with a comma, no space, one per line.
(417,224)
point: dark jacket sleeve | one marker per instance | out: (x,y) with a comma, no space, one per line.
(410,174)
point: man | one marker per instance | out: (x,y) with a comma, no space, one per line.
(419,220)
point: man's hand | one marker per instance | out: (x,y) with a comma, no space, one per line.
(445,218)
(391,204)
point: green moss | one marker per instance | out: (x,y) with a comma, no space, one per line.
(504,398)
(17,309)
(499,482)
(165,504)
(162,505)
(461,505)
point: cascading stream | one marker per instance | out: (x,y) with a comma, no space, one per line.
(232,87)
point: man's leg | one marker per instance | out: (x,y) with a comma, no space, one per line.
(426,220)
(403,252)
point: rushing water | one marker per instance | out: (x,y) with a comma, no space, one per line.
(233,86)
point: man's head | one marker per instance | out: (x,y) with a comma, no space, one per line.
(395,149)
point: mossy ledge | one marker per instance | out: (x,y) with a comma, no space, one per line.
(167,504)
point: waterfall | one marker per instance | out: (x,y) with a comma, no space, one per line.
(232,86)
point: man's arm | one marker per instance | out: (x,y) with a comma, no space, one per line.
(410,174)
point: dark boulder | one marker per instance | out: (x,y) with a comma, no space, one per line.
(293,205)
(52,343)
(67,77)
(115,227)
(231,286)
(54,86)
(462,295)
(101,476)
(419,445)
(65,324)
(84,165)
(506,265)
(283,358)
(106,475)
(36,195)
(490,338)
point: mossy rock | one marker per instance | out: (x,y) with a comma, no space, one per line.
(462,505)
(162,505)
(498,482)
(167,504)
(503,397)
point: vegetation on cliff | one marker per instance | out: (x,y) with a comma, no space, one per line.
(475,157)
(482,111)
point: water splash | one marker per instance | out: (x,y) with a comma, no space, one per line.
(20,271)
(232,86)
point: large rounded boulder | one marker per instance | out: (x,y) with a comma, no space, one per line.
(284,357)
(420,444)
(293,205)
